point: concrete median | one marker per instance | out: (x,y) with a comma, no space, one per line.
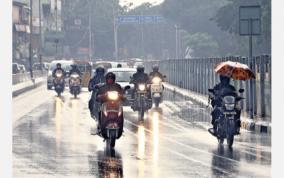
(26,86)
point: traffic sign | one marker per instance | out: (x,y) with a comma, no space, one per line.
(250,20)
(139,19)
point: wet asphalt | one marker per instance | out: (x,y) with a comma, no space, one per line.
(52,139)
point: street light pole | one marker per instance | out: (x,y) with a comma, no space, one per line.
(56,41)
(40,35)
(90,32)
(176,27)
(31,32)
(115,34)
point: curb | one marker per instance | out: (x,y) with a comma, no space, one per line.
(246,123)
(24,89)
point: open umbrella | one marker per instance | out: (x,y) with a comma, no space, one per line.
(234,70)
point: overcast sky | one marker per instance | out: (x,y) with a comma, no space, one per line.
(139,2)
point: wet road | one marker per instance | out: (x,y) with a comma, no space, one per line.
(51,138)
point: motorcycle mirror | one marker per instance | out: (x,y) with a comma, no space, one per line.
(241,90)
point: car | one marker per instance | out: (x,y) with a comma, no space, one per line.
(38,66)
(16,68)
(123,78)
(65,65)
(22,68)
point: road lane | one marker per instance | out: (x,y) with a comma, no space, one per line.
(52,139)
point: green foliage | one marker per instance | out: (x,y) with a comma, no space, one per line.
(227,18)
(202,44)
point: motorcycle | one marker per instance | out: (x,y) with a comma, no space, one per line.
(157,90)
(141,100)
(75,84)
(111,117)
(58,82)
(226,121)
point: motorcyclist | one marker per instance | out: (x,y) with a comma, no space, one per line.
(98,78)
(139,77)
(110,85)
(58,68)
(219,91)
(74,69)
(156,73)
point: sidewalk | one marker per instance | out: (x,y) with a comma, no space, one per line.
(26,86)
(246,123)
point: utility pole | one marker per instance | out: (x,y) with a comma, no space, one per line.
(30,46)
(56,40)
(115,34)
(176,27)
(90,31)
(40,36)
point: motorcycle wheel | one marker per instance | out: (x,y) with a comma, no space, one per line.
(221,141)
(75,95)
(58,94)
(141,115)
(110,143)
(156,103)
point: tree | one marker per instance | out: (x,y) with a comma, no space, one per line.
(202,44)
(227,19)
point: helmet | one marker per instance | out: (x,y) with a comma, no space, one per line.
(58,65)
(100,70)
(224,79)
(119,66)
(110,78)
(140,68)
(155,68)
(74,66)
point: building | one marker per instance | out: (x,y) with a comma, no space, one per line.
(21,31)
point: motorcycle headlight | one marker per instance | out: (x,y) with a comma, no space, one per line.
(59,75)
(74,76)
(141,87)
(156,80)
(229,102)
(112,95)
(230,106)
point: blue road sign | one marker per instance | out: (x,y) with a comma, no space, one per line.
(139,19)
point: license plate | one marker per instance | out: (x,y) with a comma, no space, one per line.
(156,95)
(230,113)
(156,88)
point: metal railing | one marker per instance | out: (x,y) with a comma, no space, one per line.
(198,75)
(23,77)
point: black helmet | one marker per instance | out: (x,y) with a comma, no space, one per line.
(74,66)
(224,79)
(119,66)
(110,78)
(58,65)
(140,68)
(155,68)
(100,70)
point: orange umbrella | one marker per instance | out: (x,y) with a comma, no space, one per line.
(234,70)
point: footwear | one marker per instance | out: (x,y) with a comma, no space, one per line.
(237,131)
(212,132)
